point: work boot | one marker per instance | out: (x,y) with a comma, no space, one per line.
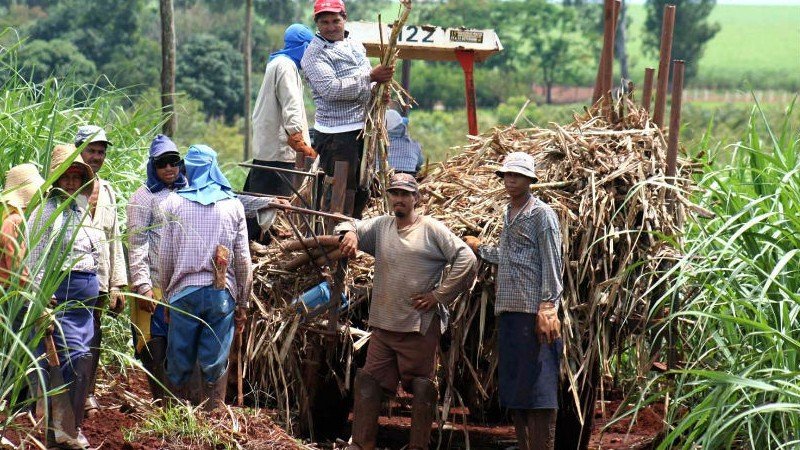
(79,389)
(542,429)
(367,394)
(215,392)
(153,356)
(423,410)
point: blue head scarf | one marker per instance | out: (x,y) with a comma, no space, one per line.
(207,184)
(295,40)
(161,145)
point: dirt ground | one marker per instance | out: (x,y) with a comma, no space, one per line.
(123,408)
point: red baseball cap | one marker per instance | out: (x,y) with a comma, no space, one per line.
(334,6)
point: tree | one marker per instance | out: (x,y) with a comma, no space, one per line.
(210,70)
(56,58)
(247,52)
(168,67)
(692,30)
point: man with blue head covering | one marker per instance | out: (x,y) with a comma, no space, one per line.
(145,221)
(280,126)
(204,269)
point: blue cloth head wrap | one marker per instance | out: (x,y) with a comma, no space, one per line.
(207,184)
(160,146)
(295,40)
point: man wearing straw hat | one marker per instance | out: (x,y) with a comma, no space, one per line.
(23,182)
(280,125)
(341,78)
(529,290)
(67,255)
(204,265)
(112,274)
(410,295)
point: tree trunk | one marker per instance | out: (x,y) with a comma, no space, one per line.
(168,68)
(548,86)
(248,65)
(620,43)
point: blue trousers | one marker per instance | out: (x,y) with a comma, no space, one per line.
(74,329)
(200,329)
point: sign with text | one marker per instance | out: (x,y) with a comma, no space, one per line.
(427,42)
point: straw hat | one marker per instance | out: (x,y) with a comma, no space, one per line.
(22,182)
(61,153)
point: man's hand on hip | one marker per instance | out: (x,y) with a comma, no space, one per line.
(423,302)
(548,327)
(349,244)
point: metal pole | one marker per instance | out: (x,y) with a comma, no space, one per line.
(467,60)
(665,54)
(278,169)
(405,80)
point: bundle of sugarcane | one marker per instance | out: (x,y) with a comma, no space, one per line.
(375,137)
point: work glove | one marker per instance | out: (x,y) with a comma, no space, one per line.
(473,242)
(298,144)
(116,301)
(548,327)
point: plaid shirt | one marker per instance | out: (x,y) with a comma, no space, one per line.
(72,223)
(405,154)
(145,219)
(145,222)
(528,259)
(338,73)
(189,240)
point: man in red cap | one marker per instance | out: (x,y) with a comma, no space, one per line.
(341,79)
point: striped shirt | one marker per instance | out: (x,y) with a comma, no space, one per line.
(405,154)
(338,73)
(408,262)
(52,232)
(188,242)
(528,259)
(145,222)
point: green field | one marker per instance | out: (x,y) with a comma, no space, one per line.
(755,44)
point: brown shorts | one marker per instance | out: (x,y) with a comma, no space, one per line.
(394,356)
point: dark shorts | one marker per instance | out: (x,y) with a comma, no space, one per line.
(270,182)
(349,147)
(395,357)
(528,371)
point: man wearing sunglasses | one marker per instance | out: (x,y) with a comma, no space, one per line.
(111,272)
(145,221)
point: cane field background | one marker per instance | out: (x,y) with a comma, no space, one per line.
(737,291)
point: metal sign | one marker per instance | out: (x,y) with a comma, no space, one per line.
(428,42)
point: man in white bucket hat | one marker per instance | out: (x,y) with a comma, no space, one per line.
(529,290)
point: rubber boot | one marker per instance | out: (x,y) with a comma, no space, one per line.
(542,429)
(423,410)
(92,405)
(367,394)
(520,417)
(216,392)
(153,356)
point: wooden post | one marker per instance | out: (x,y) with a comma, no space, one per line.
(608,12)
(647,90)
(168,68)
(608,68)
(675,118)
(248,69)
(665,54)
(670,172)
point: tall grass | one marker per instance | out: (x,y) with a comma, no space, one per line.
(33,118)
(738,288)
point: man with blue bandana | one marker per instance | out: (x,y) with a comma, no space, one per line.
(280,125)
(202,283)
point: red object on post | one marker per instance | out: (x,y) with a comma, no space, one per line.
(467,60)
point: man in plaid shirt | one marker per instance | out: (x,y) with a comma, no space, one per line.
(198,218)
(529,290)
(341,78)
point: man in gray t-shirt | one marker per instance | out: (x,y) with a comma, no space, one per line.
(410,287)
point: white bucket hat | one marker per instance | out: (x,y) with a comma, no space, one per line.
(22,182)
(92,132)
(520,163)
(393,119)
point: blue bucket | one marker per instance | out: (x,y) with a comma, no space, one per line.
(316,299)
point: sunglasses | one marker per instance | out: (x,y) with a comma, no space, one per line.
(167,160)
